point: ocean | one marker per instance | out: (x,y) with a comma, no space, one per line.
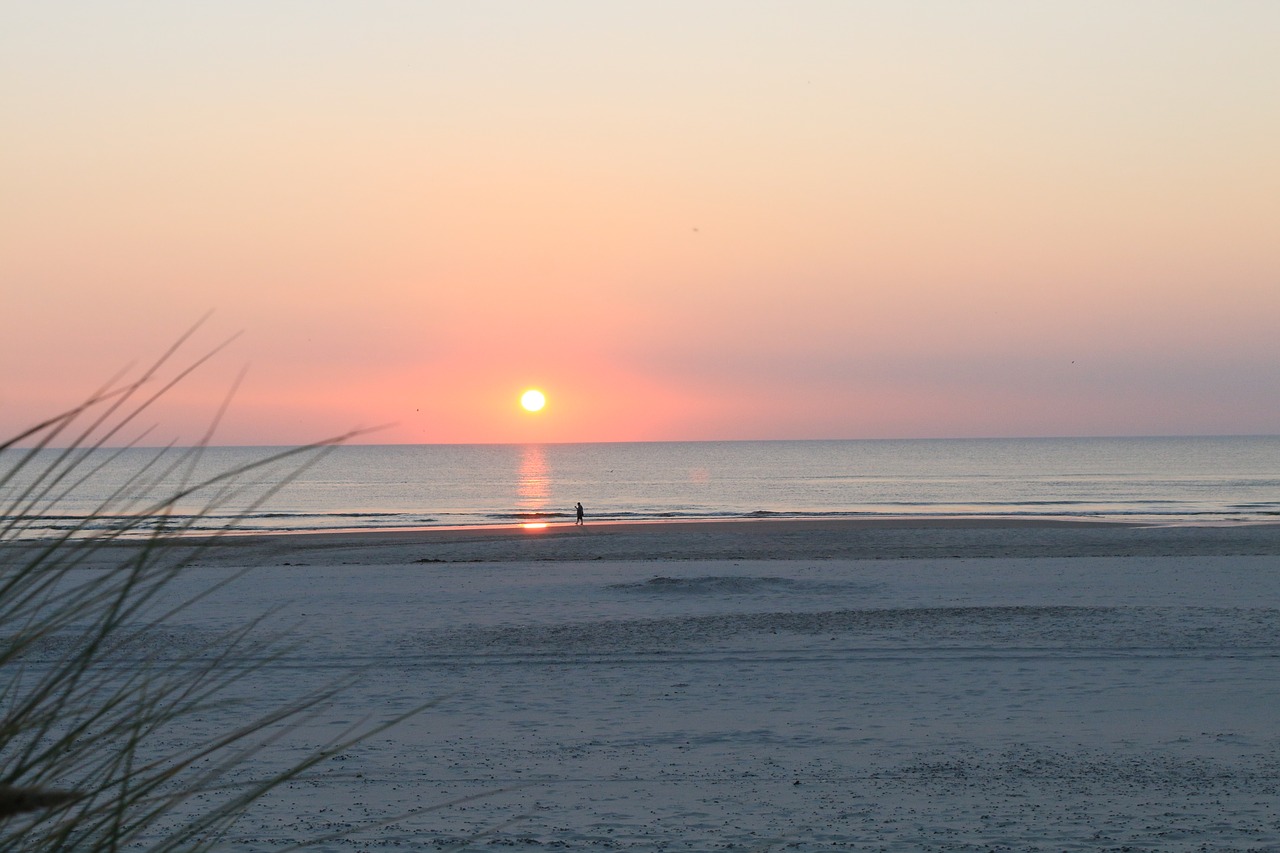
(1160,480)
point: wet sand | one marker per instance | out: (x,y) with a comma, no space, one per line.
(780,539)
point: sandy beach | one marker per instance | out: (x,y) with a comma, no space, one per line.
(771,685)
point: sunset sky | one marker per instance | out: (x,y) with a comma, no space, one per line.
(679,220)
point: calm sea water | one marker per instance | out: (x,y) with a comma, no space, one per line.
(1175,480)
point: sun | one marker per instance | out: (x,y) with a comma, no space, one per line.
(533,400)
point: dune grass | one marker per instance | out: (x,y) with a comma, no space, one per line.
(96,746)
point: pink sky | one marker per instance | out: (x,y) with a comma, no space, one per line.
(715,220)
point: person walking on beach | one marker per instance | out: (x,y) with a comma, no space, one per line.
(579,509)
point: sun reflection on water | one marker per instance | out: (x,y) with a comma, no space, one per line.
(533,481)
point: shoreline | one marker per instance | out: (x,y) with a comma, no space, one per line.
(748,539)
(636,525)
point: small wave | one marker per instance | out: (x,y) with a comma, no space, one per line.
(525,516)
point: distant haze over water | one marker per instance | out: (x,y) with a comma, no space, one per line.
(1170,480)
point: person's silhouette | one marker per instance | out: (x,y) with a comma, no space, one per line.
(579,508)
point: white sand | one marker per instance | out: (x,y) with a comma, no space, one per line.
(1001,687)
